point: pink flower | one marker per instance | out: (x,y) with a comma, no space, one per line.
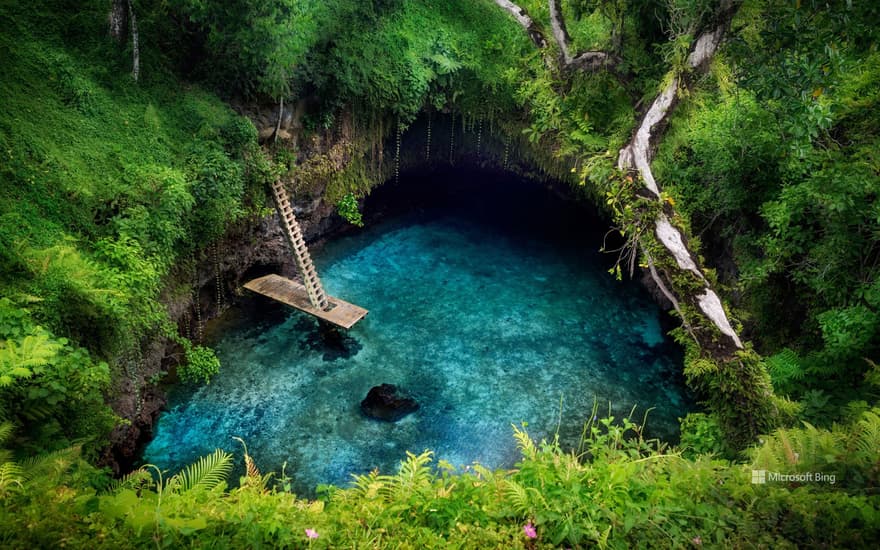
(529,530)
(311,533)
(697,541)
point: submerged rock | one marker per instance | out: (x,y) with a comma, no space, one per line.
(326,339)
(388,402)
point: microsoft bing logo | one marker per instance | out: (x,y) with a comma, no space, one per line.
(760,477)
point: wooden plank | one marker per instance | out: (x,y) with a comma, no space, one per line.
(293,294)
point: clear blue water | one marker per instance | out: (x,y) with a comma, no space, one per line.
(484,324)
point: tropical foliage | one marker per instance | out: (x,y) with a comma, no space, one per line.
(111,191)
(616,491)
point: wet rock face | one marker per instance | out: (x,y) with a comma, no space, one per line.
(388,402)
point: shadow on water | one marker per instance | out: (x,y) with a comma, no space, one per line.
(489,303)
(331,342)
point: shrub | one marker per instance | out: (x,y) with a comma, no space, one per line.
(201,364)
(702,435)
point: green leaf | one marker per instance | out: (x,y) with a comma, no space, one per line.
(187,526)
(206,474)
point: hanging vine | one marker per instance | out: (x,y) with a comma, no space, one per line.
(452,138)
(479,134)
(196,305)
(397,152)
(218,277)
(428,139)
(187,328)
(133,361)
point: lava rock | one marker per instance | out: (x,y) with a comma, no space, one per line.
(388,402)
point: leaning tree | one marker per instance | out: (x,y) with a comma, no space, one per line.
(730,376)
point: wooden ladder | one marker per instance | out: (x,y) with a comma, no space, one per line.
(304,264)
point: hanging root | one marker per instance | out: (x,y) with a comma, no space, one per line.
(218,277)
(428,139)
(397,153)
(196,303)
(626,254)
(669,295)
(479,135)
(452,138)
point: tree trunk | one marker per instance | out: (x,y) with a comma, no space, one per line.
(526,22)
(116,20)
(280,115)
(737,387)
(135,46)
(636,157)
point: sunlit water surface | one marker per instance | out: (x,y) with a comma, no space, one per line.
(485,323)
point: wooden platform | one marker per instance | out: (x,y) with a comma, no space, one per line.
(293,294)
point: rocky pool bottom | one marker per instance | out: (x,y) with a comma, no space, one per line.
(490,313)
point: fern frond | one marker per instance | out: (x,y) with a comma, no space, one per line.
(807,449)
(518,497)
(251,467)
(389,488)
(6,429)
(483,472)
(207,473)
(370,486)
(524,442)
(445,64)
(362,483)
(251,470)
(10,474)
(37,411)
(50,464)
(785,368)
(131,480)
(414,470)
(790,455)
(867,443)
(414,474)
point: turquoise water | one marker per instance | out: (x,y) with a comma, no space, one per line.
(486,323)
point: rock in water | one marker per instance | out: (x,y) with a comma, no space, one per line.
(388,402)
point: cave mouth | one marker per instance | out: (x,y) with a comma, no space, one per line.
(489,304)
(545,208)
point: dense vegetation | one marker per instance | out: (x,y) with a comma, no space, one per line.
(106,186)
(616,491)
(111,189)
